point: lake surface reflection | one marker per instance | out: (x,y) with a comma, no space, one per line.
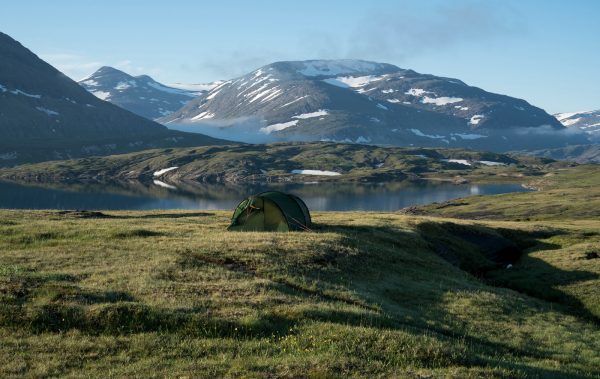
(318,196)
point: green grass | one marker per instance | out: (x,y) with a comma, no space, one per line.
(566,194)
(172,294)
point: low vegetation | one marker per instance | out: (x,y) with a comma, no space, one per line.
(155,294)
(572,193)
(275,162)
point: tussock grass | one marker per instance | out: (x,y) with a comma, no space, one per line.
(155,294)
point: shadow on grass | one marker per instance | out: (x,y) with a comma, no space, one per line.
(100,215)
(497,256)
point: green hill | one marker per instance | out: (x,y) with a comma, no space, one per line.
(276,162)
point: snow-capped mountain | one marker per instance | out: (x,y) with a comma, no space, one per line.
(359,101)
(141,95)
(589,122)
(45,115)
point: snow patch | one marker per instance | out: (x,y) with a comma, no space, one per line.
(381,106)
(570,122)
(421,134)
(439,101)
(476,119)
(293,101)
(316,172)
(564,116)
(164,171)
(353,81)
(19,92)
(271,92)
(212,95)
(128,84)
(319,113)
(102,95)
(47,111)
(362,139)
(387,91)
(393,101)
(416,92)
(459,161)
(203,116)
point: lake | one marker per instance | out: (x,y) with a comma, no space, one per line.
(318,196)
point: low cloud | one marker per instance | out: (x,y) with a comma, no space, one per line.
(548,130)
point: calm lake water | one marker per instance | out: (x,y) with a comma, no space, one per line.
(318,196)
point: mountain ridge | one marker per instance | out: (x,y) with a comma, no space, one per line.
(45,115)
(140,94)
(365,102)
(587,121)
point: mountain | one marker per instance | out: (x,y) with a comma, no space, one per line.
(589,122)
(45,115)
(366,102)
(576,153)
(141,95)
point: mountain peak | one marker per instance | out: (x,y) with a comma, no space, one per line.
(141,94)
(108,70)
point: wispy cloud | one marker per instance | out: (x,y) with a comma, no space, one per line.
(396,36)
(73,65)
(386,35)
(225,64)
(78,66)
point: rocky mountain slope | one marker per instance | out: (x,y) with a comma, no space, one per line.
(575,153)
(141,95)
(45,115)
(589,122)
(366,102)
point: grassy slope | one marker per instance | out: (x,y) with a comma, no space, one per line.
(274,162)
(367,294)
(567,194)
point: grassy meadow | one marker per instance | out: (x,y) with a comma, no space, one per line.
(172,294)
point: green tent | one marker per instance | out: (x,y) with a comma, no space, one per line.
(271,211)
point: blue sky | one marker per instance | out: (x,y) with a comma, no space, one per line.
(547,52)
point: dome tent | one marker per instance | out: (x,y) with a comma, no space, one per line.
(271,211)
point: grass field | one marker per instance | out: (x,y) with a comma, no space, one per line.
(172,294)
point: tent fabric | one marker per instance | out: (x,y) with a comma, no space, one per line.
(271,211)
